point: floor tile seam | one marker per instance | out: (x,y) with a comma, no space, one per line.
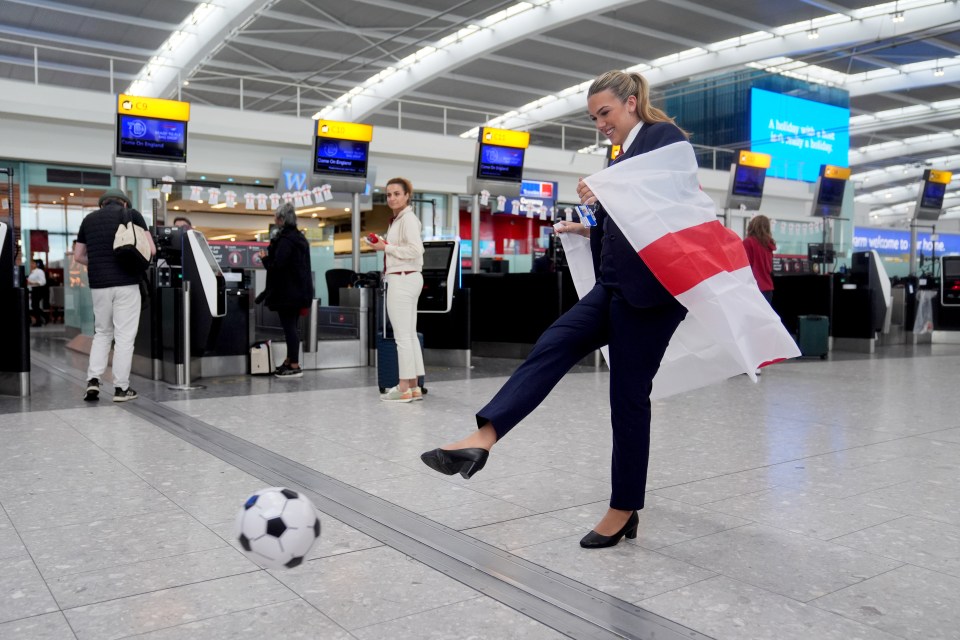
(902,516)
(816,496)
(859,583)
(225,545)
(855,621)
(477,596)
(661,550)
(39,615)
(535,604)
(250,609)
(883,555)
(131,596)
(811,604)
(695,582)
(773,525)
(490,585)
(534,514)
(148,592)
(33,561)
(174,507)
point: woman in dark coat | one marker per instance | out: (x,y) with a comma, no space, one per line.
(289,284)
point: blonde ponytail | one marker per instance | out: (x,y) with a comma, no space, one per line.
(623,85)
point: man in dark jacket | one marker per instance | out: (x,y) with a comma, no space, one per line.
(115,291)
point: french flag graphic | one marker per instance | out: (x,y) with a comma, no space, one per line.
(656,200)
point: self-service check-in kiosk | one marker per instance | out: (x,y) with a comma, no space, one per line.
(444,306)
(14,324)
(950,281)
(188,302)
(441,269)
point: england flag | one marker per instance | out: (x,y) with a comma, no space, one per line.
(656,200)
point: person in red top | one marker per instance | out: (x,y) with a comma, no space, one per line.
(760,246)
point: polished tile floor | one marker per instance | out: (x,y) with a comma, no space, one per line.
(821,503)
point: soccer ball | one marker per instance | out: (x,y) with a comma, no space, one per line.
(277,527)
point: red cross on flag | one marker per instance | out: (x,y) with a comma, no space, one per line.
(655,199)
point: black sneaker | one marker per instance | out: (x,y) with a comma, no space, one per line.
(286,371)
(119,395)
(93,390)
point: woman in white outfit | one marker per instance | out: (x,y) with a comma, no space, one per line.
(403,259)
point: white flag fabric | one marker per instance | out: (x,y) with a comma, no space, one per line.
(656,200)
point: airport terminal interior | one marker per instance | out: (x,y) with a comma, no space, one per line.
(811,494)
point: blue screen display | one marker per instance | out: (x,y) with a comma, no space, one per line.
(800,134)
(140,137)
(500,163)
(933,193)
(341,157)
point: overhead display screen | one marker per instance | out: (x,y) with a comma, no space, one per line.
(151,138)
(340,157)
(831,192)
(800,134)
(933,193)
(748,181)
(500,163)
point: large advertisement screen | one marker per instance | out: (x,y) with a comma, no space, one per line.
(151,138)
(340,157)
(500,163)
(800,134)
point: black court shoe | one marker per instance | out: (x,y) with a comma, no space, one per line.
(594,540)
(466,462)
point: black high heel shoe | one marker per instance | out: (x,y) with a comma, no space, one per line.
(466,462)
(594,540)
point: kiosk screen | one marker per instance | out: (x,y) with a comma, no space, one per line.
(748,181)
(340,157)
(933,193)
(437,257)
(500,163)
(151,138)
(831,192)
(817,252)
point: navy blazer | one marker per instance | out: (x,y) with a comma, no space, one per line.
(615,262)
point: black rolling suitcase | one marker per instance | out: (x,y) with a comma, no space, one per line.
(388,365)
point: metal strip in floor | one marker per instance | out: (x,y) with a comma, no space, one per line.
(570,607)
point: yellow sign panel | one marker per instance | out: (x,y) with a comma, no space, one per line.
(505,138)
(754,159)
(344,130)
(614,151)
(840,173)
(940,177)
(153,108)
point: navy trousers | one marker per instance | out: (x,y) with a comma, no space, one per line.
(638,338)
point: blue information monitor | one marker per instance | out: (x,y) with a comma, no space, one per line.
(340,157)
(151,138)
(500,163)
(799,134)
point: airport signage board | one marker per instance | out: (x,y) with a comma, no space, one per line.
(341,149)
(152,128)
(538,189)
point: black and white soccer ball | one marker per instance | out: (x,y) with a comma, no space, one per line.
(277,527)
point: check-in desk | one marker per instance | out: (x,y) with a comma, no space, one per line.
(196,318)
(330,337)
(510,311)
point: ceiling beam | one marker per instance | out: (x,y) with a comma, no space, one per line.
(201,42)
(538,19)
(108,16)
(62,39)
(920,20)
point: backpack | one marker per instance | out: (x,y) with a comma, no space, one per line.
(131,245)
